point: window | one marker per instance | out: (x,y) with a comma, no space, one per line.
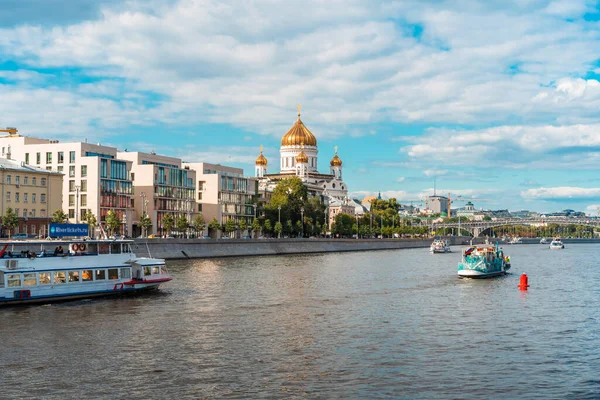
(83,185)
(71,186)
(17,213)
(24,197)
(43,212)
(60,277)
(43,182)
(71,213)
(14,280)
(48,158)
(34,181)
(59,168)
(25,180)
(48,168)
(17,197)
(113,273)
(24,212)
(32,214)
(26,158)
(44,278)
(71,157)
(7,196)
(125,273)
(200,196)
(87,275)
(17,180)
(43,198)
(83,171)
(155,270)
(163,270)
(100,274)
(71,171)
(33,197)
(29,280)
(38,158)
(147,271)
(8,179)
(71,200)
(84,200)
(73,276)
(61,157)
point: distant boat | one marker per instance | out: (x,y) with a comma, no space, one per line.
(544,241)
(483,262)
(515,240)
(439,246)
(556,244)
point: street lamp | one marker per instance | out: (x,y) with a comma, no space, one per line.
(302,218)
(77,204)
(144,210)
(254,205)
(357,228)
(279,233)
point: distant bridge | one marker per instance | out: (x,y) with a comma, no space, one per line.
(476,228)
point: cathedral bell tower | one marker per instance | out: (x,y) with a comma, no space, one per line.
(335,165)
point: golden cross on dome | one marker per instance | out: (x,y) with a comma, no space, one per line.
(335,148)
(299,107)
(261,148)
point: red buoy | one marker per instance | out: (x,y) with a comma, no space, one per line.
(523,283)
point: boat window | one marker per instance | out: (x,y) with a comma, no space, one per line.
(60,277)
(125,273)
(155,270)
(86,275)
(1,279)
(113,273)
(100,274)
(163,269)
(44,278)
(73,276)
(147,271)
(14,280)
(29,280)
(115,248)
(103,249)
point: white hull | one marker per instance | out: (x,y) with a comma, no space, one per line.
(468,273)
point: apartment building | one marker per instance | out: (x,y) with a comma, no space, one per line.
(223,192)
(162,186)
(94,178)
(32,193)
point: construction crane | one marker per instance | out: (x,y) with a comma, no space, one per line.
(10,130)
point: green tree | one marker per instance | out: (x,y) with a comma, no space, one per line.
(255,226)
(168,222)
(268,227)
(487,218)
(298,228)
(243,224)
(230,226)
(92,222)
(214,226)
(199,224)
(289,227)
(182,225)
(112,222)
(145,223)
(278,228)
(342,224)
(59,217)
(10,220)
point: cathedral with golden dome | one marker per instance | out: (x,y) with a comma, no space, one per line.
(298,156)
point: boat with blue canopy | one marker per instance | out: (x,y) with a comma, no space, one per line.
(483,261)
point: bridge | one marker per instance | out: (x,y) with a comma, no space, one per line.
(476,228)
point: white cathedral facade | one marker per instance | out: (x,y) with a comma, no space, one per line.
(298,157)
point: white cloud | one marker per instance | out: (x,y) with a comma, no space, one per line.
(435,172)
(593,209)
(561,193)
(401,179)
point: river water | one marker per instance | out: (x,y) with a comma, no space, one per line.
(368,325)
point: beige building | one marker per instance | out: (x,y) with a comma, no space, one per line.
(338,207)
(223,192)
(94,178)
(162,186)
(33,193)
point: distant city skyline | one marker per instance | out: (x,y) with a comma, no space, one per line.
(496,101)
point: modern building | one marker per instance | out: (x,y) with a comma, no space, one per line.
(224,192)
(32,193)
(298,157)
(437,204)
(95,179)
(162,186)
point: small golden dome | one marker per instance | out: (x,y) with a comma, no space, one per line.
(336,161)
(301,158)
(261,160)
(299,135)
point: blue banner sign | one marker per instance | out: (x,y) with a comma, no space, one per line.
(57,230)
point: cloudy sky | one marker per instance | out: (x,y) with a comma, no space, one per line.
(496,100)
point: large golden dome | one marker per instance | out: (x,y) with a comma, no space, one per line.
(299,135)
(302,158)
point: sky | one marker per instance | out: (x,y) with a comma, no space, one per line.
(495,101)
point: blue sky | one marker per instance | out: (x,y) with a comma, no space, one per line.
(496,100)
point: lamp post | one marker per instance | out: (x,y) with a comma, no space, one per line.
(77,204)
(326,221)
(302,219)
(357,228)
(144,211)
(254,205)
(279,219)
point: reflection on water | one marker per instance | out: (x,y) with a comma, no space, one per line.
(357,325)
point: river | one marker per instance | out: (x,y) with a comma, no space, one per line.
(385,324)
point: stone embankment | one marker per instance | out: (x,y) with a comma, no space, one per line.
(210,248)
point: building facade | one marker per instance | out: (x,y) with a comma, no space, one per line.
(162,186)
(95,179)
(32,193)
(437,204)
(224,192)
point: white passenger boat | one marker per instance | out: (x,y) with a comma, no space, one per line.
(516,240)
(544,241)
(84,269)
(483,261)
(439,246)
(556,244)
